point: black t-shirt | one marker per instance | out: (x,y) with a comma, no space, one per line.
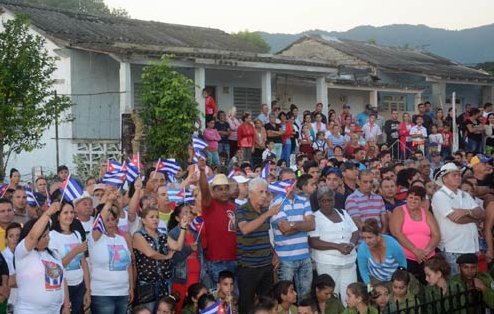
(392,130)
(222,126)
(474,136)
(4,268)
(275,127)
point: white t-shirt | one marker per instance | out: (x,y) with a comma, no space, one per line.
(123,223)
(9,258)
(63,244)
(418,130)
(329,231)
(109,259)
(455,238)
(40,279)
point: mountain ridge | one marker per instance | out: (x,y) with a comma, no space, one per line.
(467,46)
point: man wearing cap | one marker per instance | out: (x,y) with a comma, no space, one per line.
(457,215)
(470,278)
(219,223)
(349,173)
(483,172)
(84,212)
(243,190)
(290,228)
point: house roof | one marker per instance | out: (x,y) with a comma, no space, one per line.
(79,28)
(399,59)
(123,36)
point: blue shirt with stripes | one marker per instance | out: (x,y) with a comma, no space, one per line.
(292,247)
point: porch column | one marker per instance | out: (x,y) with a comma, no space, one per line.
(126,92)
(487,94)
(417,100)
(373,98)
(322,92)
(266,92)
(438,94)
(200,84)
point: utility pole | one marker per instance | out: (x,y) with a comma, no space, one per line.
(56,135)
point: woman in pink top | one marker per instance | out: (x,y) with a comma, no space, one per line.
(416,230)
(212,137)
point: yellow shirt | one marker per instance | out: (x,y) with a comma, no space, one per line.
(2,239)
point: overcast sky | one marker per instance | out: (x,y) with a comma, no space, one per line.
(293,16)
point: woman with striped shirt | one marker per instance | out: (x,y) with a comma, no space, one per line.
(379,255)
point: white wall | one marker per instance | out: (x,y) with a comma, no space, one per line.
(46,156)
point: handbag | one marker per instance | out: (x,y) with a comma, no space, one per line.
(145,292)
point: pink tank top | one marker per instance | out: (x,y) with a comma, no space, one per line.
(417,232)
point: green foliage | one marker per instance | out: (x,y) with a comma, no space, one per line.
(169,111)
(97,7)
(254,38)
(28,102)
(486,66)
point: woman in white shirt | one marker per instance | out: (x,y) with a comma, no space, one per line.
(110,262)
(333,241)
(41,283)
(12,234)
(69,245)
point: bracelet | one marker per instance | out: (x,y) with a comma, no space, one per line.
(183,228)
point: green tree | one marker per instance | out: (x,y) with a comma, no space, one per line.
(28,102)
(169,111)
(97,7)
(254,38)
(486,66)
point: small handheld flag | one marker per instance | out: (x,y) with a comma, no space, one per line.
(281,187)
(3,189)
(198,143)
(99,224)
(196,224)
(265,171)
(31,199)
(71,189)
(215,308)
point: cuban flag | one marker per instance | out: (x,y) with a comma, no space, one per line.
(265,171)
(210,179)
(281,187)
(171,178)
(133,169)
(168,166)
(3,189)
(196,224)
(198,154)
(215,308)
(176,196)
(189,198)
(99,224)
(71,189)
(231,174)
(31,200)
(198,143)
(116,174)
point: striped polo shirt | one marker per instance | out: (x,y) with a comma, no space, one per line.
(365,207)
(292,247)
(253,249)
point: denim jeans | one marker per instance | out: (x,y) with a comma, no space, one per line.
(473,146)
(300,272)
(102,304)
(76,295)
(286,151)
(343,275)
(213,158)
(215,267)
(224,147)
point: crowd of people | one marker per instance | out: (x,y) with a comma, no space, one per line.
(284,214)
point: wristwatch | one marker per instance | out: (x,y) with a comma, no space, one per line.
(292,225)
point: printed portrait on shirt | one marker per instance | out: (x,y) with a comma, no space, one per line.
(119,258)
(53,275)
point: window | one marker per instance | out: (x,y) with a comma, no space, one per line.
(393,102)
(247,100)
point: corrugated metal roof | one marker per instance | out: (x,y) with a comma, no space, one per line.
(401,59)
(74,27)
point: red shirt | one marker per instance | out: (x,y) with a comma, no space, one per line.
(219,222)
(210,106)
(245,135)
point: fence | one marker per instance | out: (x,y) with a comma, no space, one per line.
(461,302)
